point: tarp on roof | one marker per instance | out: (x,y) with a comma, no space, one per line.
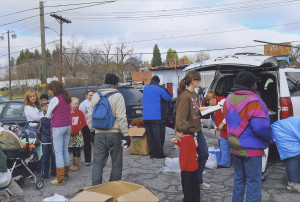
(251,61)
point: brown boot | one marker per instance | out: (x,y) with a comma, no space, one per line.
(60,175)
(73,167)
(76,164)
(77,161)
(67,168)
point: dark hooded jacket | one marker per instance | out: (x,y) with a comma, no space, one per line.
(45,130)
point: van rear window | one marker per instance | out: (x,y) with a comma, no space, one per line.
(293,79)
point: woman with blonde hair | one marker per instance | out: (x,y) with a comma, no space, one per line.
(188,109)
(76,139)
(32,111)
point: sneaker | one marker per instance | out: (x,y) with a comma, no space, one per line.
(293,186)
(204,186)
(29,177)
(87,164)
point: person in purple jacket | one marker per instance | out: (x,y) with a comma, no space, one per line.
(59,109)
(249,133)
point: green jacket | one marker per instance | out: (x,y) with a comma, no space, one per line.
(3,158)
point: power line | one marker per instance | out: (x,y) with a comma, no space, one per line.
(178,12)
(29,48)
(105,2)
(187,51)
(22,11)
(145,53)
(72,4)
(199,34)
(18,12)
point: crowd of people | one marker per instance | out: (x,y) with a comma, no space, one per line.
(64,125)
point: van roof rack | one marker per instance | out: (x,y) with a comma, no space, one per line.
(249,54)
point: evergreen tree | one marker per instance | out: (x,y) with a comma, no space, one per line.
(172,57)
(28,54)
(48,54)
(36,54)
(156,59)
(20,58)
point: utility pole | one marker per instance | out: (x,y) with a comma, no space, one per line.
(43,49)
(9,69)
(9,65)
(61,20)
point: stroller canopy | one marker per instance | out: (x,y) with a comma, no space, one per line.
(10,141)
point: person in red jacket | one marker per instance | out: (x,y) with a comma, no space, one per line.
(188,162)
(76,139)
(211,99)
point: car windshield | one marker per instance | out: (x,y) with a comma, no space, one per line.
(14,110)
(2,105)
(2,99)
(131,95)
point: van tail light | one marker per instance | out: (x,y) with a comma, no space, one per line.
(170,88)
(203,103)
(286,107)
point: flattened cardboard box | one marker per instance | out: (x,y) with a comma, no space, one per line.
(116,191)
(139,143)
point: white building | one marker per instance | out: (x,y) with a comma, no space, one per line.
(171,75)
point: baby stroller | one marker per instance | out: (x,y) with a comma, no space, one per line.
(21,156)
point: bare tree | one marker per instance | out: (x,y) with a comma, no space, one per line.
(72,59)
(107,53)
(123,57)
(198,57)
(295,56)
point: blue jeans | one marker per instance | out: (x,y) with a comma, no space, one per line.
(33,132)
(202,152)
(155,131)
(107,144)
(247,175)
(292,166)
(225,152)
(48,159)
(61,138)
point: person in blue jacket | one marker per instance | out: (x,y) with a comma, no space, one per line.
(154,116)
(287,137)
(48,160)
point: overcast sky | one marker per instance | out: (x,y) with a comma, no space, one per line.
(212,25)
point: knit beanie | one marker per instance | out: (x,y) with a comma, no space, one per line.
(111,78)
(44,96)
(245,78)
(155,78)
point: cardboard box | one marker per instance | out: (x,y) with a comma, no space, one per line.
(139,143)
(116,191)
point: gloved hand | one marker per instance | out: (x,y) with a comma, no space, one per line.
(126,141)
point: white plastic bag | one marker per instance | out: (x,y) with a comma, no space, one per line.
(265,159)
(172,165)
(55,197)
(211,162)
